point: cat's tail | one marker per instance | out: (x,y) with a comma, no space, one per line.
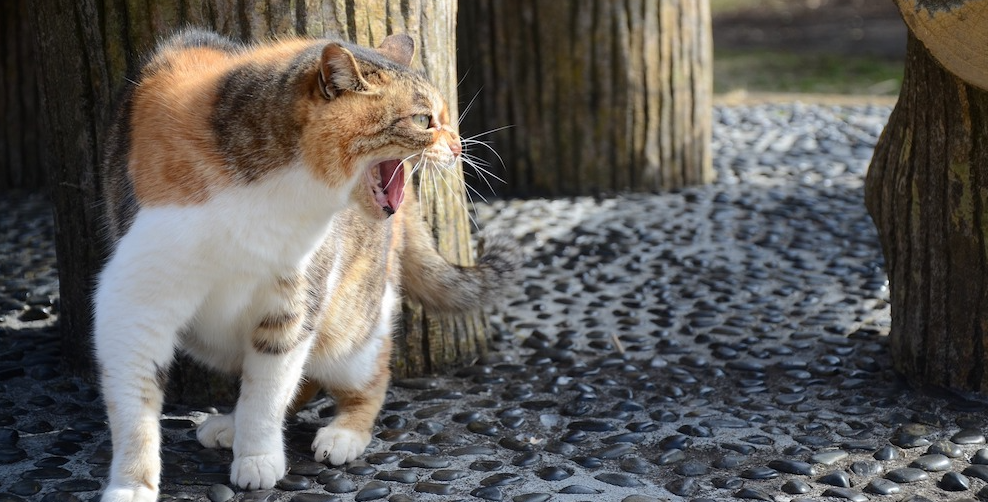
(434,282)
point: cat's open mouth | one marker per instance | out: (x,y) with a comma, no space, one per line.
(387,182)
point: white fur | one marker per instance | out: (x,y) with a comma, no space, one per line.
(354,371)
(339,445)
(332,443)
(206,270)
(216,431)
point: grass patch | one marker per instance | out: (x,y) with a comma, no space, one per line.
(778,71)
(719,7)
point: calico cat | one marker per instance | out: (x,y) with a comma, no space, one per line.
(252,198)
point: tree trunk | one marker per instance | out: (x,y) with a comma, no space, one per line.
(927,191)
(20,146)
(599,96)
(87,47)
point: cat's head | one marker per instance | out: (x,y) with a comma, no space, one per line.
(366,114)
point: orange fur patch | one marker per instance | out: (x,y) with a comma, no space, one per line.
(173,155)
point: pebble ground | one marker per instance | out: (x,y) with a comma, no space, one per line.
(724,342)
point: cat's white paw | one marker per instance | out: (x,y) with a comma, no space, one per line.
(338,446)
(258,472)
(216,432)
(124,494)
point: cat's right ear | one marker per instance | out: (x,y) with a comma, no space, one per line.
(339,72)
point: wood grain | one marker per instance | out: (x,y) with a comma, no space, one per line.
(927,192)
(21,134)
(599,96)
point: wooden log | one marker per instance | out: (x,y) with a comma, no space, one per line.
(600,96)
(927,192)
(21,163)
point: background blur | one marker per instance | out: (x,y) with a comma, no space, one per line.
(807,46)
(761,48)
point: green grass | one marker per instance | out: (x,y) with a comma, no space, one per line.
(777,71)
(732,6)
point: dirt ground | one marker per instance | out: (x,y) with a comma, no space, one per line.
(848,27)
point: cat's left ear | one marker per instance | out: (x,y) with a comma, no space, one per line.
(339,72)
(399,48)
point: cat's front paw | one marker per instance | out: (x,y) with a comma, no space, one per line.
(338,446)
(124,494)
(217,432)
(258,472)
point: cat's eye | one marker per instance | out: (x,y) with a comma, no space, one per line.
(421,120)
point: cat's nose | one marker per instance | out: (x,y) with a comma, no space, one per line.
(454,146)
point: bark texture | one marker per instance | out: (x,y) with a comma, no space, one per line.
(86,49)
(600,96)
(927,191)
(21,164)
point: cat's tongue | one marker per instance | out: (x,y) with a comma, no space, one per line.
(393,181)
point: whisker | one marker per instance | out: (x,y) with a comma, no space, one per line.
(411,175)
(474,160)
(499,159)
(419,193)
(406,159)
(470,199)
(481,170)
(469,141)
(480,174)
(487,132)
(469,188)
(435,191)
(458,199)
(395,173)
(464,77)
(470,104)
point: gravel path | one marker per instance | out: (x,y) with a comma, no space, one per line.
(722,342)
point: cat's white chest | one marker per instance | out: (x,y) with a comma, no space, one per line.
(233,249)
(270,224)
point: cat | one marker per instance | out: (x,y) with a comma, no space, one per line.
(252,196)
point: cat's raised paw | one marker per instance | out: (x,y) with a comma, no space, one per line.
(257,472)
(123,494)
(338,446)
(216,432)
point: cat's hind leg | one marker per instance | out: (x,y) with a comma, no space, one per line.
(359,384)
(217,431)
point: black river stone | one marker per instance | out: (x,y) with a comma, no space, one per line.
(907,475)
(372,491)
(934,462)
(955,482)
(793,467)
(433,488)
(882,486)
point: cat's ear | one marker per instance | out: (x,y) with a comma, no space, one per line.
(399,48)
(339,72)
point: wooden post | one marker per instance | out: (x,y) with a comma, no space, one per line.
(927,191)
(600,96)
(21,164)
(86,49)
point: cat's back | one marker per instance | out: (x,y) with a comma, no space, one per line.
(162,146)
(170,83)
(196,57)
